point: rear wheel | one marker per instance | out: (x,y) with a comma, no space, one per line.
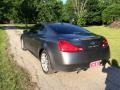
(45,63)
(22,45)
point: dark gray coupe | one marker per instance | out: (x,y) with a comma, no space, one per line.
(66,47)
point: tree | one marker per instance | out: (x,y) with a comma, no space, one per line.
(39,11)
(80,10)
(69,13)
(65,15)
(111,13)
(77,10)
(31,11)
(114,1)
(93,12)
(50,11)
(27,12)
(5,10)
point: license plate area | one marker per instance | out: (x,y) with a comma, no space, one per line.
(95,64)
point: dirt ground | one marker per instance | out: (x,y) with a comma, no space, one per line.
(92,79)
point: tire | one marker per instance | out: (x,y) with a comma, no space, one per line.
(22,45)
(45,63)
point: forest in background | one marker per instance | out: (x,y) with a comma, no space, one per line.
(79,12)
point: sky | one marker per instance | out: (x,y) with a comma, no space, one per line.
(64,1)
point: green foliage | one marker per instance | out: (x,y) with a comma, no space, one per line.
(5,8)
(65,15)
(114,1)
(76,11)
(80,12)
(86,11)
(49,11)
(93,12)
(31,11)
(81,20)
(69,15)
(111,13)
(27,11)
(11,77)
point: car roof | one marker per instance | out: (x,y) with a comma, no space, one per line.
(66,27)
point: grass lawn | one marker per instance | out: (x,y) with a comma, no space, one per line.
(11,76)
(113,37)
(23,26)
(18,26)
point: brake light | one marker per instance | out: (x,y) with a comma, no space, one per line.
(66,46)
(105,43)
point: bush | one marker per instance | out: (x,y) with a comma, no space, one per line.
(111,13)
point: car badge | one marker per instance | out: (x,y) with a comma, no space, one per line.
(92,43)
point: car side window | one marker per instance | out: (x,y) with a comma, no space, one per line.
(40,32)
(37,28)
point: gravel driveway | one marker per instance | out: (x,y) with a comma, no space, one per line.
(92,79)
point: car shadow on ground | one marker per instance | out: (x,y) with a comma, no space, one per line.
(113,76)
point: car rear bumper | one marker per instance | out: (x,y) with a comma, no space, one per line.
(74,67)
(80,60)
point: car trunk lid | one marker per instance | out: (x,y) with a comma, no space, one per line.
(92,44)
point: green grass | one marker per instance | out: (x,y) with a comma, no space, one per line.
(18,26)
(11,76)
(113,37)
(23,26)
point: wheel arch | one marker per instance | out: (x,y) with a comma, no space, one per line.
(40,51)
(45,47)
(21,37)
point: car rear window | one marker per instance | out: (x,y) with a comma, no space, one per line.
(68,29)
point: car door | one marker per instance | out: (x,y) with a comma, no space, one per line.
(37,40)
(29,37)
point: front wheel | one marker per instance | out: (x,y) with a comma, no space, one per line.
(45,63)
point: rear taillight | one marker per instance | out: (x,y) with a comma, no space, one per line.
(105,43)
(66,46)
